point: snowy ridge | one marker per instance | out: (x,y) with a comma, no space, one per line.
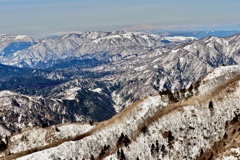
(24,38)
(30,138)
(154,129)
(76,45)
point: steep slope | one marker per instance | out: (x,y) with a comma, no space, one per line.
(161,126)
(188,63)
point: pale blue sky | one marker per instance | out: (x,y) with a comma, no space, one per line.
(48,16)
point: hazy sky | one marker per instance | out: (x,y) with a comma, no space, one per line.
(49,16)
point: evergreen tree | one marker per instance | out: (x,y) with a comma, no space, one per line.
(122,157)
(152,149)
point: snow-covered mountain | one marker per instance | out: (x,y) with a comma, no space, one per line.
(199,122)
(94,75)
(75,45)
(138,75)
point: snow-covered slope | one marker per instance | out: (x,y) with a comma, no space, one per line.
(30,138)
(161,126)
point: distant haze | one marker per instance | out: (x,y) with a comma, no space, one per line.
(36,17)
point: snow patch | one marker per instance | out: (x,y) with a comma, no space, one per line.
(69,94)
(21,37)
(98,90)
(7,93)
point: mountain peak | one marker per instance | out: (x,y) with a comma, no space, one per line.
(24,38)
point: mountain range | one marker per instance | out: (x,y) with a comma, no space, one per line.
(129,79)
(198,34)
(120,66)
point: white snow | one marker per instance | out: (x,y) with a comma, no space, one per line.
(140,68)
(69,94)
(98,90)
(21,37)
(4,132)
(236,155)
(6,93)
(175,50)
(118,100)
(24,38)
(106,38)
